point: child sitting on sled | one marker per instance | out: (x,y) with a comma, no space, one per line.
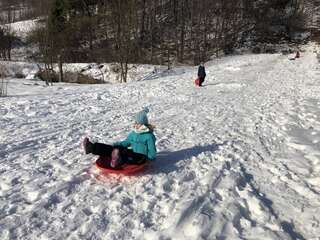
(137,148)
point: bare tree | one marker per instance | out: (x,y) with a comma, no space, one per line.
(124,28)
(159,31)
(7,38)
(3,81)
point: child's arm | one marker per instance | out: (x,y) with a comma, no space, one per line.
(152,151)
(124,143)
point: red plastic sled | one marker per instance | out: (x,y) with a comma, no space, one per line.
(197,82)
(103,164)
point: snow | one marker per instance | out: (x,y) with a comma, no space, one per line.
(106,72)
(237,159)
(11,69)
(109,72)
(22,28)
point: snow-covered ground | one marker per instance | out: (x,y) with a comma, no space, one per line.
(237,159)
(11,69)
(105,72)
(22,28)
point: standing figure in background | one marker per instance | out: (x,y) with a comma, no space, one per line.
(201,73)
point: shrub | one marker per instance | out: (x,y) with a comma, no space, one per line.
(79,78)
(69,77)
(19,75)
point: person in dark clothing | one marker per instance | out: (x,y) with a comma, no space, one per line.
(201,73)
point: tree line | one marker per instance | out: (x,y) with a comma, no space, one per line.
(156,31)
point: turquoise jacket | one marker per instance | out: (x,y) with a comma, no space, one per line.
(141,142)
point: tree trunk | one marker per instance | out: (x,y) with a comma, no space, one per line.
(60,68)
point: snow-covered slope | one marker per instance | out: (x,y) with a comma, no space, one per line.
(238,158)
(22,28)
(23,51)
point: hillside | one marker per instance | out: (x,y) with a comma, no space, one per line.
(155,32)
(237,158)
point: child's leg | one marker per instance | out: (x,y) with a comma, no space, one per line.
(118,157)
(201,81)
(102,149)
(135,158)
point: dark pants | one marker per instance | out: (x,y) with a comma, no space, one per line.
(201,80)
(126,155)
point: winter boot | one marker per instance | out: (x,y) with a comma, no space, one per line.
(87,145)
(115,159)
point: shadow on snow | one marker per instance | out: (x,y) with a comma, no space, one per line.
(167,162)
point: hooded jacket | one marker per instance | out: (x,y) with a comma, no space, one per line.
(201,72)
(142,141)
